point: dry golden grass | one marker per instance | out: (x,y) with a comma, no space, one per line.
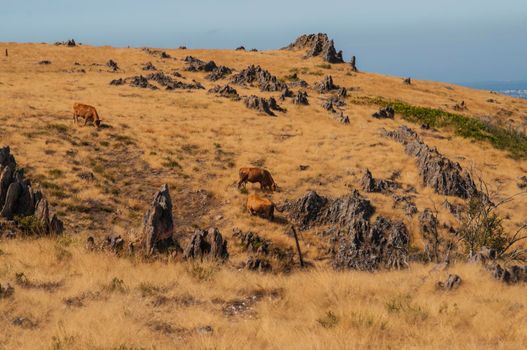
(160,305)
(195,141)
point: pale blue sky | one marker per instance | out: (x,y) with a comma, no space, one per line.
(447,40)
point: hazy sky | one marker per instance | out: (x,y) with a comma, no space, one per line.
(447,40)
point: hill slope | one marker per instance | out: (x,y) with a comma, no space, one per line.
(101,182)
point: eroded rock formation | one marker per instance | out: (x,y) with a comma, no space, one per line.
(262,105)
(437,171)
(356,243)
(256,75)
(317,45)
(158,223)
(224,91)
(18,199)
(205,244)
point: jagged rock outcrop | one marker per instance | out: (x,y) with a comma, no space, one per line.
(18,199)
(112,65)
(353,64)
(224,91)
(69,43)
(207,244)
(356,243)
(149,66)
(285,94)
(301,98)
(262,105)
(317,45)
(326,85)
(438,172)
(219,73)
(160,78)
(369,184)
(158,223)
(6,291)
(512,274)
(368,247)
(384,113)
(136,81)
(259,76)
(452,282)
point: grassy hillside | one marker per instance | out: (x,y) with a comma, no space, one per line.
(195,142)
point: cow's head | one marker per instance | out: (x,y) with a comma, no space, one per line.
(273,186)
(98,122)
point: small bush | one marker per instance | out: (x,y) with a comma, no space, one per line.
(202,272)
(116,285)
(30,225)
(330,320)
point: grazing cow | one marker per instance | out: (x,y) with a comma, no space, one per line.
(257,175)
(262,207)
(86,112)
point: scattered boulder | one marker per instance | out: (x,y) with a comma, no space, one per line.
(460,106)
(119,81)
(259,76)
(138,81)
(240,48)
(407,81)
(522,183)
(112,65)
(511,275)
(384,113)
(44,62)
(262,105)
(160,78)
(317,45)
(436,171)
(301,98)
(286,93)
(369,184)
(326,85)
(225,91)
(69,43)
(453,282)
(158,223)
(200,246)
(196,65)
(149,66)
(6,291)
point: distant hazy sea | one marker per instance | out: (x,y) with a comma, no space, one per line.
(511,88)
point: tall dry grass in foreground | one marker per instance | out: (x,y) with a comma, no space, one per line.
(75,299)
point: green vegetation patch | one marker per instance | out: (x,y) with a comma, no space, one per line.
(500,137)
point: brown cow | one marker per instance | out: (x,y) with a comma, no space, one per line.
(86,112)
(257,175)
(262,207)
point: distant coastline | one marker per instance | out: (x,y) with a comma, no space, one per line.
(510,88)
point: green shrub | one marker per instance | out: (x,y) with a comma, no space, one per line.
(515,143)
